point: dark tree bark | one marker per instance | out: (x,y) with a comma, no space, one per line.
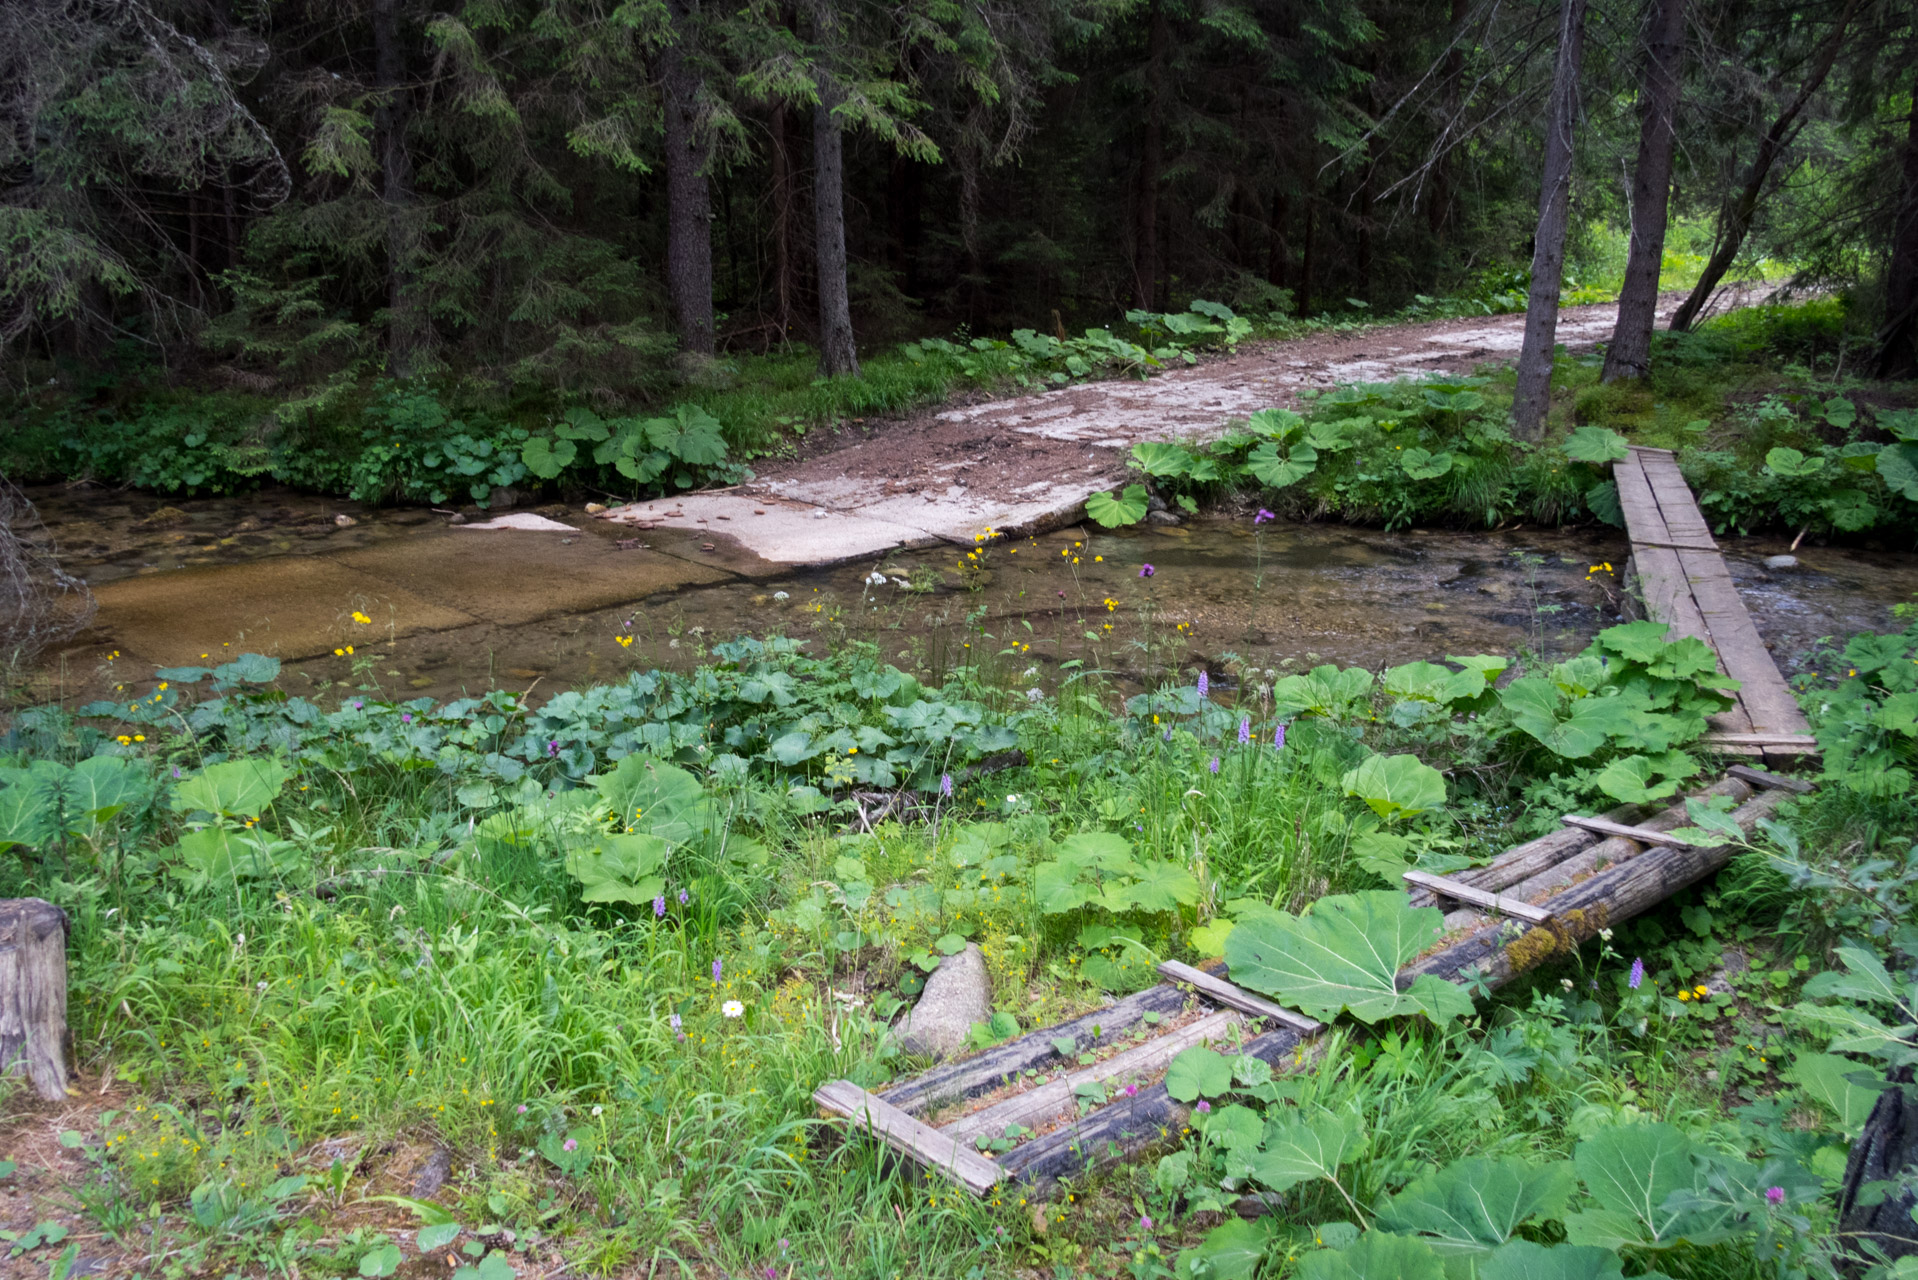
(34,1040)
(1438,210)
(1630,352)
(785,197)
(1309,260)
(390,118)
(1735,221)
(1145,262)
(1278,254)
(1898,338)
(689,197)
(1885,1150)
(838,353)
(1534,392)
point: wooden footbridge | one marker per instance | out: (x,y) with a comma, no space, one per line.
(1026,1112)
(1682,579)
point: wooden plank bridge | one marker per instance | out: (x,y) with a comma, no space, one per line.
(1579,879)
(1064,1115)
(1684,583)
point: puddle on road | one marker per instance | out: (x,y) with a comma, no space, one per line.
(1291,595)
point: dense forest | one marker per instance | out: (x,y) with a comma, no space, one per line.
(581,196)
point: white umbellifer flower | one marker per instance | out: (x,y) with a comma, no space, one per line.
(732,1009)
(598,1110)
(781,595)
(1035,695)
(875,579)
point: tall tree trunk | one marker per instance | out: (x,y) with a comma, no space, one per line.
(689,195)
(1438,210)
(1278,255)
(396,188)
(838,353)
(1735,221)
(1534,393)
(1630,353)
(1310,257)
(1145,262)
(784,197)
(1898,339)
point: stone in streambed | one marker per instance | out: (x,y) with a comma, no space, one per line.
(957,995)
(1781,562)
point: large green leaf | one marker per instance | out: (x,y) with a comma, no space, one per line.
(30,805)
(1632,1170)
(1162,886)
(1197,1073)
(1535,705)
(1344,956)
(1230,1251)
(242,788)
(1267,465)
(101,786)
(1476,1204)
(1526,1260)
(1784,461)
(690,435)
(547,458)
(1898,467)
(1057,889)
(1377,1255)
(1848,1089)
(1396,786)
(620,868)
(1323,691)
(1128,507)
(1642,779)
(1301,1147)
(1157,458)
(1421,464)
(1429,682)
(1596,445)
(221,853)
(1275,424)
(647,795)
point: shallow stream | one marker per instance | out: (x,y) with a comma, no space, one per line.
(458,610)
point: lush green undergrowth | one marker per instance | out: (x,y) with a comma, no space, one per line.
(604,948)
(379,440)
(1801,452)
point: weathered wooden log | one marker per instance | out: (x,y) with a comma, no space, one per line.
(1058,1098)
(982,1073)
(1886,1151)
(33,994)
(1115,1132)
(1596,852)
(1579,911)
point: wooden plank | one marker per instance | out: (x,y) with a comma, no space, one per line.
(1775,781)
(1619,830)
(1668,596)
(1683,520)
(1058,1099)
(984,1072)
(1478,897)
(920,1142)
(1219,991)
(1766,740)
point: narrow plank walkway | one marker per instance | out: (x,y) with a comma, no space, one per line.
(1687,586)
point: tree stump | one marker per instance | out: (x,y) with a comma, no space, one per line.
(33,994)
(1884,1152)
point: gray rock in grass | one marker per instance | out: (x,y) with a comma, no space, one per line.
(958,994)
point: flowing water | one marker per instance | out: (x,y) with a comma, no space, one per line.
(458,610)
